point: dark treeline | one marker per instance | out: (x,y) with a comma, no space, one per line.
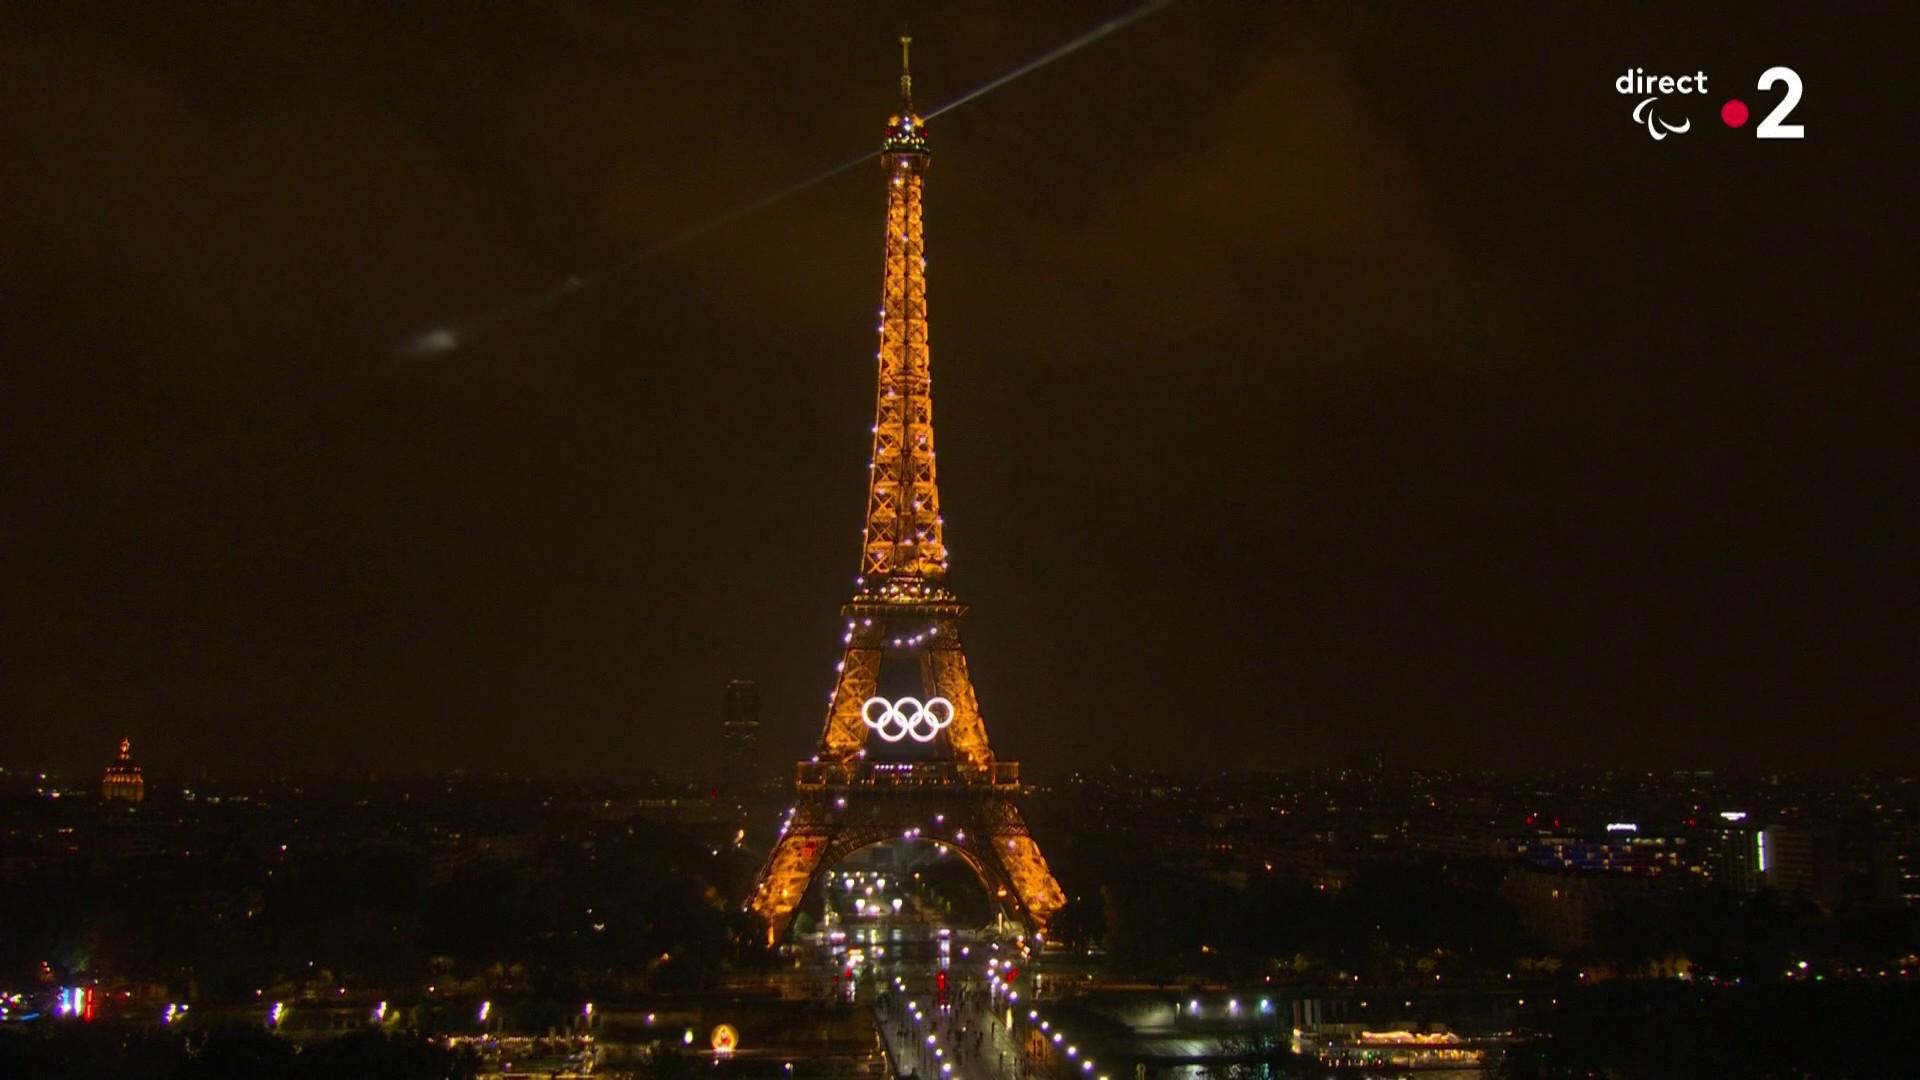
(1668,1029)
(216,911)
(239,1052)
(1390,921)
(1398,921)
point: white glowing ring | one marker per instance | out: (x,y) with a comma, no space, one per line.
(895,720)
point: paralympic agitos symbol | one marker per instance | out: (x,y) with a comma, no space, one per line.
(895,720)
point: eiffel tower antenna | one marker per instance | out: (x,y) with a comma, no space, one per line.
(930,777)
(906,73)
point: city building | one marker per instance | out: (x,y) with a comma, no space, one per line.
(740,735)
(1618,854)
(1561,907)
(123,782)
(1786,859)
(1906,869)
(1736,853)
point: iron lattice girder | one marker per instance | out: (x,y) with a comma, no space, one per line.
(904,531)
(983,828)
(928,634)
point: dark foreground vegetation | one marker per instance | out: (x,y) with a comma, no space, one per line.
(238,1052)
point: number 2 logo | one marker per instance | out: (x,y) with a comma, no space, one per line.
(1771,127)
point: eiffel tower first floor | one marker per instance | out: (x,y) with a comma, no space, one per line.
(842,807)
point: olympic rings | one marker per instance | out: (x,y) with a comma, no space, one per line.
(895,720)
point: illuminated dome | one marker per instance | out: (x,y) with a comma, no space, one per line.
(123,782)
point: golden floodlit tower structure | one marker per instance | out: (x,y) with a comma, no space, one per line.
(122,781)
(904,756)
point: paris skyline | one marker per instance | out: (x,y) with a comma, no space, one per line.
(1303,388)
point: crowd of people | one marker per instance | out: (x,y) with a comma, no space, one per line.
(960,1023)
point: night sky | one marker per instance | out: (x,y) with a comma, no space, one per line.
(1307,377)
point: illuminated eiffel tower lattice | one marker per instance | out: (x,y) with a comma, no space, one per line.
(904,756)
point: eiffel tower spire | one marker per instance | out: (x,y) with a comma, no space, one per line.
(903,636)
(905,536)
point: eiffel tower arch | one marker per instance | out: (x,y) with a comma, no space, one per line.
(904,754)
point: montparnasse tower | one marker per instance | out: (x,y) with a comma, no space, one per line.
(904,754)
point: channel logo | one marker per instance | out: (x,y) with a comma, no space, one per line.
(1662,105)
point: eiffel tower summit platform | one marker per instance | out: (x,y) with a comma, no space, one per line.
(904,755)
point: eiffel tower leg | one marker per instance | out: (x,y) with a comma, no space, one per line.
(859,676)
(1016,859)
(789,869)
(946,669)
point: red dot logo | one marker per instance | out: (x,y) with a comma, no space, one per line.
(1734,112)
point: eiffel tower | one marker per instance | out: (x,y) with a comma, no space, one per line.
(929,775)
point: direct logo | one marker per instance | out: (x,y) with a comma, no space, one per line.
(1650,88)
(896,720)
(1654,111)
